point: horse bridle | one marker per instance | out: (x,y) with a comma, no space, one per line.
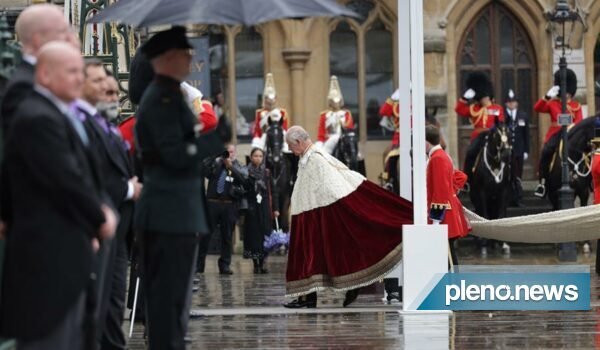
(499,174)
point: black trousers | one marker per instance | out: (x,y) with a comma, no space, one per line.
(547,153)
(112,336)
(516,176)
(167,265)
(472,152)
(222,214)
(452,252)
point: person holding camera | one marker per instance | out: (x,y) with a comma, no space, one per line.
(226,177)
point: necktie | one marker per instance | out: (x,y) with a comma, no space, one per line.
(221,182)
(79,128)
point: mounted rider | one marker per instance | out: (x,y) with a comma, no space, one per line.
(269,113)
(477,105)
(552,105)
(333,120)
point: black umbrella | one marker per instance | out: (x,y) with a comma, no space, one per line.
(144,13)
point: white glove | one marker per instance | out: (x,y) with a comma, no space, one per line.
(469,94)
(190,92)
(525,156)
(553,92)
(435,222)
(396,95)
(386,123)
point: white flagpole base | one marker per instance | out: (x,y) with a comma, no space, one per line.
(426,330)
(425,254)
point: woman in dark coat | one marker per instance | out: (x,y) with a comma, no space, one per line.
(260,212)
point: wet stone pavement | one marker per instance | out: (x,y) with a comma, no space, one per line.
(244,311)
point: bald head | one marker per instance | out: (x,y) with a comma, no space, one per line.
(298,139)
(40,24)
(60,70)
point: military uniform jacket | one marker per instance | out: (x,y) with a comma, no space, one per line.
(596,176)
(554,108)
(172,149)
(330,120)
(482,118)
(391,109)
(519,131)
(442,184)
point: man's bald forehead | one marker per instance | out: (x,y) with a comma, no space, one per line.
(55,50)
(36,18)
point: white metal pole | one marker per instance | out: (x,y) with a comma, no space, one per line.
(404,163)
(418,108)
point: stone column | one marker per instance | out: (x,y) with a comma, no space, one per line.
(296,53)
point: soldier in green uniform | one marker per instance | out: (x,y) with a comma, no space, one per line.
(171,211)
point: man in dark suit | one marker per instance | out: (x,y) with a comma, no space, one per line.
(518,125)
(171,211)
(35,26)
(225,179)
(119,182)
(58,212)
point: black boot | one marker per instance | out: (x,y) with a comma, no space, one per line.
(351,296)
(256,265)
(393,289)
(261,269)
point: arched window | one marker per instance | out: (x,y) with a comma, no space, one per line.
(379,67)
(362,56)
(497,44)
(249,77)
(343,63)
(597,74)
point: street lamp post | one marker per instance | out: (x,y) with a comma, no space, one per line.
(561,15)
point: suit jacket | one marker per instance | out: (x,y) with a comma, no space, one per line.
(173,198)
(238,175)
(519,131)
(17,88)
(56,205)
(115,168)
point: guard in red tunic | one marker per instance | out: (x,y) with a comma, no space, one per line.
(443,183)
(389,113)
(596,178)
(552,105)
(268,113)
(333,120)
(477,105)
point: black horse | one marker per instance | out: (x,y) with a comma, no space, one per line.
(580,158)
(281,165)
(346,150)
(490,182)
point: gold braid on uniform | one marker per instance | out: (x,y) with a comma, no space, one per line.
(477,115)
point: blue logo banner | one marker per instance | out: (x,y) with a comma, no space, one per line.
(511,288)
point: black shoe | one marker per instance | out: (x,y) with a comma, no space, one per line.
(263,271)
(226,272)
(351,296)
(301,303)
(195,289)
(196,281)
(256,269)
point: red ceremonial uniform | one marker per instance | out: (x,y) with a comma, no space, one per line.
(443,181)
(262,113)
(482,118)
(207,117)
(554,108)
(596,176)
(391,109)
(323,133)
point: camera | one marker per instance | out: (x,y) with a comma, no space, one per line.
(225,154)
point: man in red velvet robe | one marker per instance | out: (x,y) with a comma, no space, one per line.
(443,182)
(346,231)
